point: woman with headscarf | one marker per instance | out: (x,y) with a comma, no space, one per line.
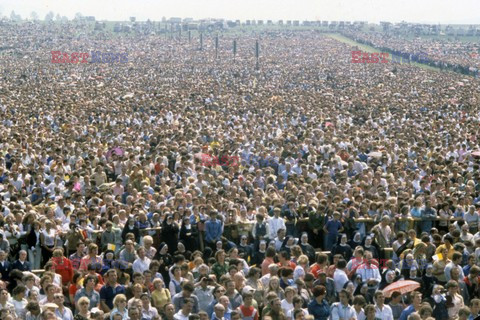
(182,250)
(307,248)
(188,234)
(131,227)
(170,233)
(165,260)
(388,280)
(368,246)
(343,248)
(356,241)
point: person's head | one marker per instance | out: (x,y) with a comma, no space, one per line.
(50,290)
(90,281)
(457,258)
(141,252)
(289,293)
(203,315)
(225,301)
(396,297)
(4,295)
(33,307)
(425,311)
(111,276)
(48,314)
(359,302)
(235,315)
(416,297)
(169,310)
(299,315)
(187,289)
(120,301)
(319,292)
(219,310)
(369,311)
(22,255)
(248,298)
(464,313)
(475,306)
(276,305)
(134,313)
(343,296)
(452,287)
(218,292)
(59,299)
(83,304)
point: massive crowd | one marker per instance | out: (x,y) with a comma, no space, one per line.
(356,192)
(442,52)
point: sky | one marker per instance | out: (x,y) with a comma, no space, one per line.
(374,11)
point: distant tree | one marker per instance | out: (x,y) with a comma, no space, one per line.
(49,16)
(58,17)
(132,19)
(34,16)
(64,18)
(78,16)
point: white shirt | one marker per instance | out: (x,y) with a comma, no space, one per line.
(180,316)
(275,224)
(369,273)
(286,306)
(140,265)
(340,278)
(340,311)
(385,313)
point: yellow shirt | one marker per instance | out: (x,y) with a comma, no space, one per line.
(450,252)
(160,298)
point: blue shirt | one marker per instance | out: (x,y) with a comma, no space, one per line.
(408,311)
(107,293)
(333,226)
(213,230)
(319,311)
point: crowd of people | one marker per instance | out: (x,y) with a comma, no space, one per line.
(350,180)
(455,54)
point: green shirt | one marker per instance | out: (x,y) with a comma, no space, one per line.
(219,270)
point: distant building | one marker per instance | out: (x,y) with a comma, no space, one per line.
(175,20)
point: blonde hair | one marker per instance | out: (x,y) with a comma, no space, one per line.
(82,299)
(117,299)
(303,259)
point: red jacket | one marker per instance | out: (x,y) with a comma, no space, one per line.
(63,267)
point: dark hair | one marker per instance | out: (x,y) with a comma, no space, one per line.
(319,291)
(188,286)
(91,277)
(341,264)
(18,289)
(270,252)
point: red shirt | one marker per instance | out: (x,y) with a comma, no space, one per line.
(290,264)
(266,262)
(248,312)
(63,267)
(316,268)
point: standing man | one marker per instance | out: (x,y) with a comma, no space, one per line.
(110,290)
(342,310)
(213,230)
(332,228)
(382,311)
